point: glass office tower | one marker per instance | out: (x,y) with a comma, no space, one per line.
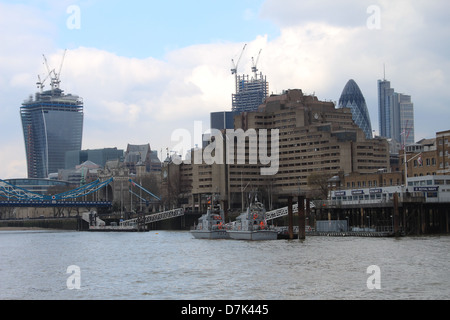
(353,98)
(52,125)
(396,114)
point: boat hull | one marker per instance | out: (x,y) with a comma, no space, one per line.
(208,234)
(258,235)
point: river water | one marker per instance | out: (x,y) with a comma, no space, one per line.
(172,265)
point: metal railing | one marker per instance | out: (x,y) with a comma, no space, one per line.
(155,217)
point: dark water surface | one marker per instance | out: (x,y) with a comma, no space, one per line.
(172,265)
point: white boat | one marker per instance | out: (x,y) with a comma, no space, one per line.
(211,225)
(252,225)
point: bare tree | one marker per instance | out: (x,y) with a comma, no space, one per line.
(318,184)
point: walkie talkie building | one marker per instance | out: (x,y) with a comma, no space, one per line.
(52,125)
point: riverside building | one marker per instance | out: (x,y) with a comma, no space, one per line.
(314,137)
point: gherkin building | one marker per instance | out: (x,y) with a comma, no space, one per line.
(353,98)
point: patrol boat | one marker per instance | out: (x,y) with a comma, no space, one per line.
(211,225)
(252,225)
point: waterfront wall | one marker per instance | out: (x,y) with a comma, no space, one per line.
(57,223)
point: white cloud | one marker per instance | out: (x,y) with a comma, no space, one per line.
(130,100)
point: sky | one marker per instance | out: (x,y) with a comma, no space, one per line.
(148,68)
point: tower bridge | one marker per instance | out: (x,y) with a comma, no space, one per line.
(15,196)
(12,196)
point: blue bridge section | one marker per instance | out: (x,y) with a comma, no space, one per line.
(14,196)
(54,203)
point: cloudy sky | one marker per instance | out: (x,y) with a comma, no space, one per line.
(147,68)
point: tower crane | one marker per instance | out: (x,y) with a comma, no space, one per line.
(235,66)
(41,83)
(55,80)
(52,83)
(57,75)
(254,64)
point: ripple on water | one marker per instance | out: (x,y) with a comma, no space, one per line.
(173,265)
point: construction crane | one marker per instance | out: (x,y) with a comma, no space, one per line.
(235,65)
(58,75)
(52,83)
(55,81)
(41,83)
(255,63)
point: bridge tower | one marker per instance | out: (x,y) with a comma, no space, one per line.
(118,191)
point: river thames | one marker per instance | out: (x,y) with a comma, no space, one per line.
(171,265)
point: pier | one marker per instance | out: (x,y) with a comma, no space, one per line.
(132,225)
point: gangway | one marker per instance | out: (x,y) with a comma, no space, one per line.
(281,212)
(154,217)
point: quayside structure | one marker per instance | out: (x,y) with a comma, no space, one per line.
(14,196)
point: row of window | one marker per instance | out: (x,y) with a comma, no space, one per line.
(373,183)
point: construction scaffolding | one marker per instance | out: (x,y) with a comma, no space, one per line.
(250,92)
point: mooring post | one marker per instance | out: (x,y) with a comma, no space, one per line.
(308,212)
(446,220)
(291,219)
(396,215)
(301,217)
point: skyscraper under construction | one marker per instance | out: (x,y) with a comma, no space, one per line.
(251,91)
(52,124)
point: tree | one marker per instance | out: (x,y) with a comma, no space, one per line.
(318,184)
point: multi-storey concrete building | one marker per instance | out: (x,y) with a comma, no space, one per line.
(314,137)
(427,156)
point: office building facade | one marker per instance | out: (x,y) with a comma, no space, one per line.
(52,125)
(98,156)
(222,120)
(396,114)
(314,137)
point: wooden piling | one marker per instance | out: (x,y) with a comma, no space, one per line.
(291,219)
(396,215)
(301,217)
